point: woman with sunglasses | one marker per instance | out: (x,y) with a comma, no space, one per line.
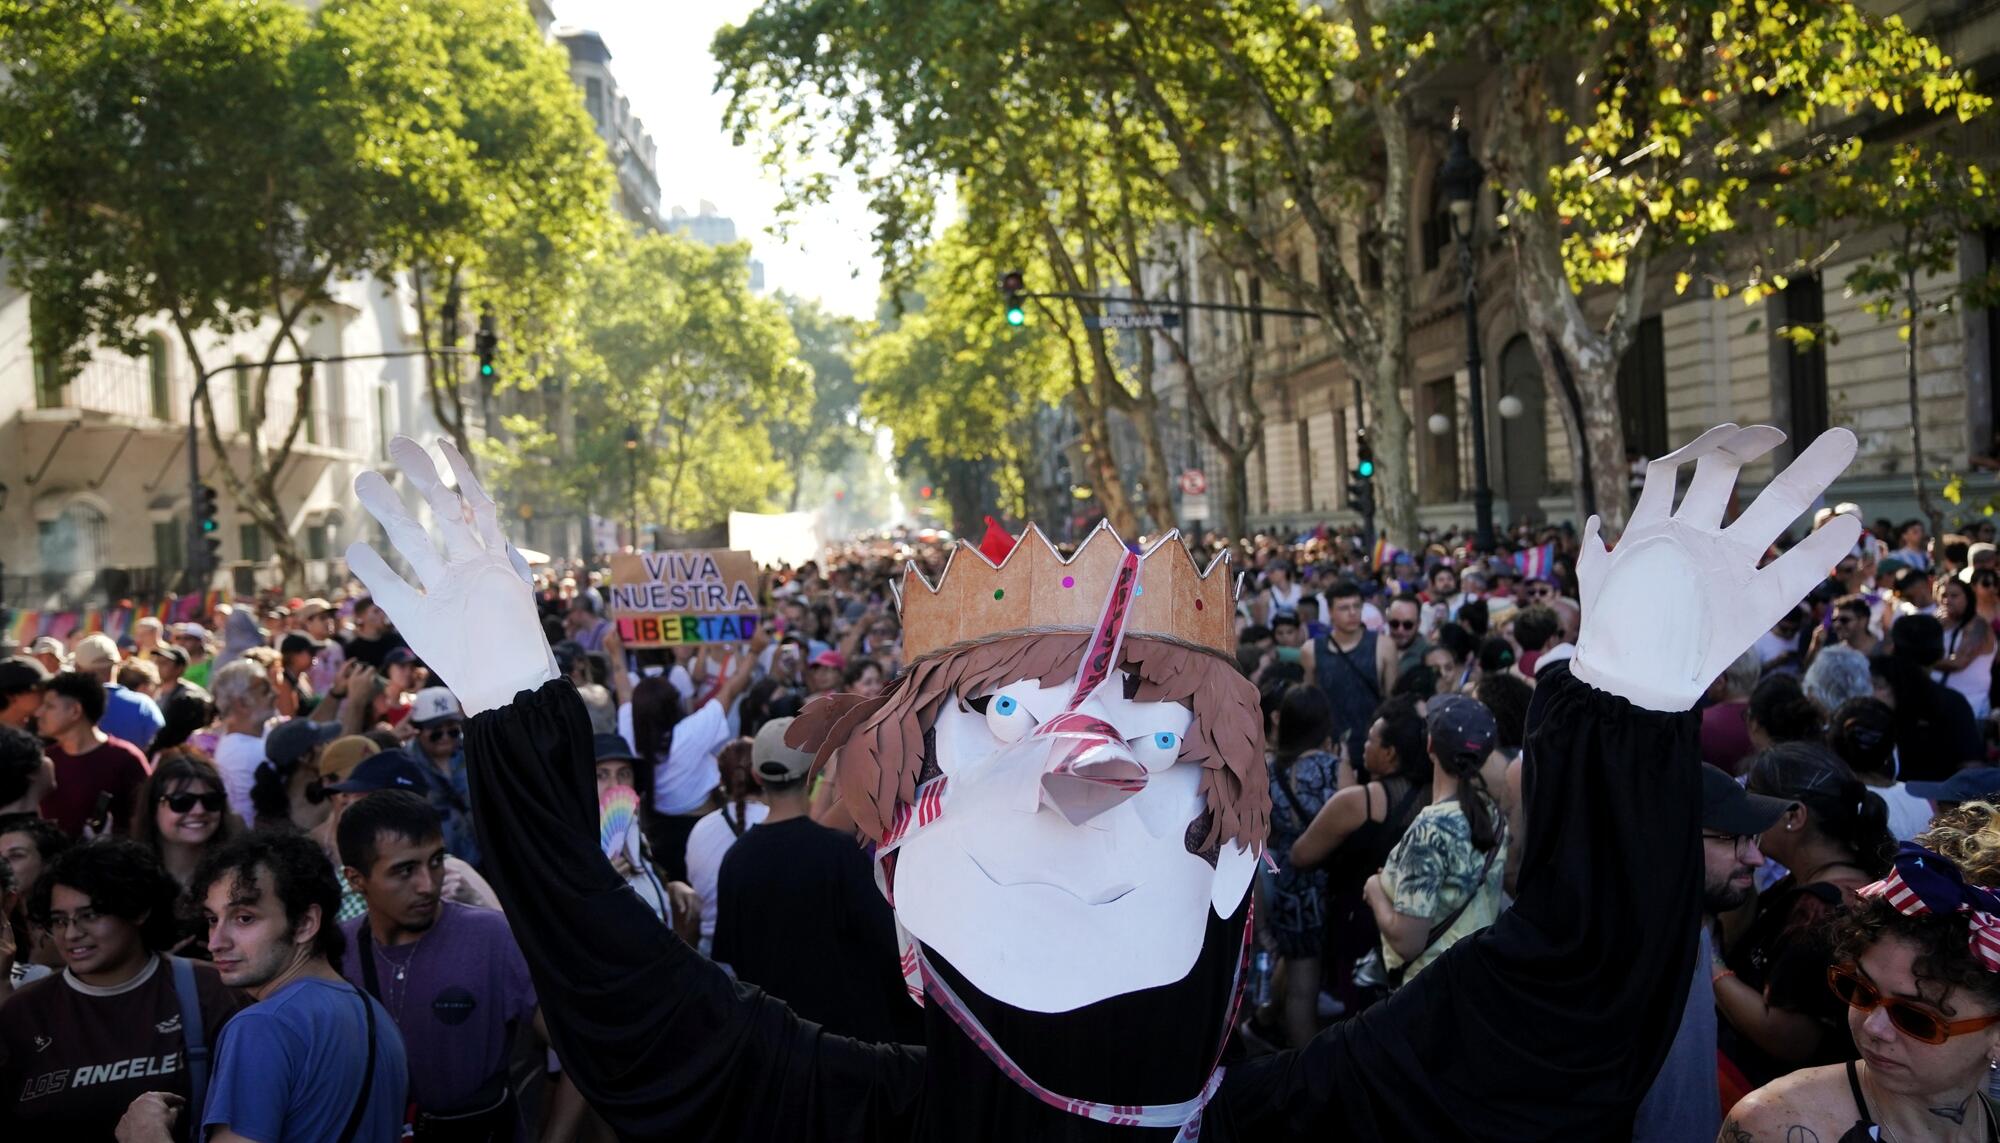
(1918,970)
(1967,666)
(183,814)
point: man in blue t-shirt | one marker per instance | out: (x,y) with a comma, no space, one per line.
(314,1060)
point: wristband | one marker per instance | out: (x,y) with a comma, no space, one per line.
(1719,977)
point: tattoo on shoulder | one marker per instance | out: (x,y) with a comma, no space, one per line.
(1733,1131)
(1955,1114)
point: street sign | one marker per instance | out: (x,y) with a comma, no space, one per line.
(1194,482)
(1134,321)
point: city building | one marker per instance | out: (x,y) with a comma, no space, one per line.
(709,228)
(626,142)
(1696,360)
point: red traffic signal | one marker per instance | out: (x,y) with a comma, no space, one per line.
(925,492)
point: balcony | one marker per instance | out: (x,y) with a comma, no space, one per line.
(131,392)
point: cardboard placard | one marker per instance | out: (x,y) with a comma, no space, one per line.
(664,599)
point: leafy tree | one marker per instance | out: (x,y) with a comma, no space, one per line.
(1629,138)
(674,345)
(829,437)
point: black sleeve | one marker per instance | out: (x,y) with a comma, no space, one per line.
(659,1040)
(1551,1023)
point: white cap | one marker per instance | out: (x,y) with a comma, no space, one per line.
(434,704)
(95,650)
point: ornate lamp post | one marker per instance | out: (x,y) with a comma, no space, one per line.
(1460,179)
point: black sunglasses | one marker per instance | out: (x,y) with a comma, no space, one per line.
(455,730)
(183,802)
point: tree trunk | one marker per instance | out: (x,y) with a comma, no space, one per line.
(1159,482)
(1395,472)
(1910,302)
(1103,461)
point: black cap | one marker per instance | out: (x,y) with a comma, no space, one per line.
(612,748)
(1726,807)
(170,653)
(389,770)
(1460,726)
(287,742)
(295,642)
(21,673)
(1975,784)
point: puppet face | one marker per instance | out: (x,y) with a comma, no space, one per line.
(1049,894)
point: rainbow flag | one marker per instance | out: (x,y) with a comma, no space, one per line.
(1536,563)
(24,627)
(1386,553)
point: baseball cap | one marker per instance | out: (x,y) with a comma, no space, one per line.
(1726,807)
(1461,726)
(311,607)
(289,741)
(191,631)
(1974,784)
(1908,578)
(772,759)
(434,705)
(388,770)
(21,673)
(295,642)
(48,646)
(95,650)
(170,652)
(398,656)
(343,754)
(830,658)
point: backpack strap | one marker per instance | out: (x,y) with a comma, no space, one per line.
(368,1071)
(194,1034)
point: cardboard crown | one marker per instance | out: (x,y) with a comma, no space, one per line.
(1035,588)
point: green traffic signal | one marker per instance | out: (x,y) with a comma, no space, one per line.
(209,524)
(1016,316)
(1365,470)
(486,369)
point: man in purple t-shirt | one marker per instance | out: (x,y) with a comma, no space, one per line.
(450,975)
(97,776)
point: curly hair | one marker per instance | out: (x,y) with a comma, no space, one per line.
(122,879)
(1780,706)
(1970,836)
(21,762)
(299,874)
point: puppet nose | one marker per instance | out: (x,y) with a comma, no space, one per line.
(1092,781)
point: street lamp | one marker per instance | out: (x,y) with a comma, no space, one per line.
(632,480)
(1461,179)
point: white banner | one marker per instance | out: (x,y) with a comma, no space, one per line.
(790,538)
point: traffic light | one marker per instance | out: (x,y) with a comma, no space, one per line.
(1013,292)
(205,539)
(1364,452)
(486,343)
(206,510)
(1361,484)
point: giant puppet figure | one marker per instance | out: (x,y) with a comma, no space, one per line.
(1066,794)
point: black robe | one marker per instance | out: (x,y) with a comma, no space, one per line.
(1549,1025)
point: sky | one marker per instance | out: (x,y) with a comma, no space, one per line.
(660,58)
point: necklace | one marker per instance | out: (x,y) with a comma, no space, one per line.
(400,973)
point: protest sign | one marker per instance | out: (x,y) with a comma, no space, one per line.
(662,599)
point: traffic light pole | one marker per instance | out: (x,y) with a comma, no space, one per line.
(200,569)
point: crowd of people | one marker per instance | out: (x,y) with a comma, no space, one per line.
(242,894)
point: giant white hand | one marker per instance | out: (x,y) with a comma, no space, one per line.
(1681,596)
(474,623)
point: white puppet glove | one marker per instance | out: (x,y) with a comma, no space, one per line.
(474,623)
(1681,596)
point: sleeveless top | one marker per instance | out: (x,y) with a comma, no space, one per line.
(1865,1129)
(1368,846)
(1975,679)
(1352,687)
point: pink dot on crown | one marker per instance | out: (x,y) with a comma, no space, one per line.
(1069,581)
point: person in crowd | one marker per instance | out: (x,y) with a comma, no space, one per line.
(26,773)
(617,765)
(1972,784)
(295,659)
(1920,988)
(1441,599)
(1862,732)
(1454,656)
(1304,775)
(96,775)
(1288,636)
(1833,838)
(1985,583)
(585,626)
(1685,1101)
(245,704)
(1281,592)
(374,635)
(449,976)
(190,718)
(16,965)
(1507,698)
(1847,622)
(50,654)
(864,677)
(1967,665)
(1353,665)
(287,789)
(677,749)
(28,846)
(1443,881)
(1935,730)
(1401,621)
(183,813)
(1911,546)
(709,842)
(123,1018)
(1778,650)
(401,677)
(1536,631)
(798,914)
(1725,733)
(172,663)
(140,677)
(1779,711)
(824,673)
(440,745)
(22,680)
(318,621)
(128,715)
(1838,674)
(1916,594)
(195,642)
(148,634)
(313,1060)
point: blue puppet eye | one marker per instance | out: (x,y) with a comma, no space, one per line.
(1005,705)
(1007,718)
(1166,740)
(1156,751)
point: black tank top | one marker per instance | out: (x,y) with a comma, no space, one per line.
(1865,1130)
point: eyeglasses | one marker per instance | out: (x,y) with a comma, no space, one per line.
(1917,1021)
(455,730)
(183,802)
(84,918)
(1737,841)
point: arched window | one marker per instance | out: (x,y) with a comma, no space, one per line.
(159,377)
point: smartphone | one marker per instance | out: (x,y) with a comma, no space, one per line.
(99,820)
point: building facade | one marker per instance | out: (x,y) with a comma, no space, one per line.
(626,142)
